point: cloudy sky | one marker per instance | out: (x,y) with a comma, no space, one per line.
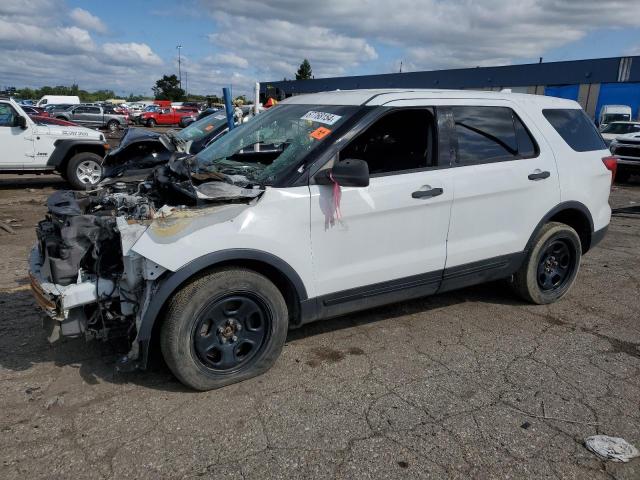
(127,45)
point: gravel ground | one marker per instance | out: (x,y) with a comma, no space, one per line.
(456,385)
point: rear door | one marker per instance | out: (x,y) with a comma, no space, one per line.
(505,182)
(93,116)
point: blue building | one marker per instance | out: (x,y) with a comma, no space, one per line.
(593,83)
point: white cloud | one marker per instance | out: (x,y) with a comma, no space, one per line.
(40,47)
(428,33)
(85,19)
(229,59)
(131,54)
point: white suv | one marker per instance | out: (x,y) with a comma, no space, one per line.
(42,145)
(324,205)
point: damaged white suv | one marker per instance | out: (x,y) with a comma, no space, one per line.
(326,204)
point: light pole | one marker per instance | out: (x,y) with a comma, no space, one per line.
(179,71)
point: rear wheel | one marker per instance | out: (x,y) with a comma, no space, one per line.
(224,327)
(151,123)
(113,125)
(551,266)
(84,170)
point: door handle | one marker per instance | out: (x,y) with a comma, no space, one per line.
(538,175)
(434,192)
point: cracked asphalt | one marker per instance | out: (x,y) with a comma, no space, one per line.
(469,384)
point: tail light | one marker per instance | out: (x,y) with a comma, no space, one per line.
(612,165)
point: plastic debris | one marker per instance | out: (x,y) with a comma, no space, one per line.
(611,448)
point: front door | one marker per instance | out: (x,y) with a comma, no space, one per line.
(17,143)
(388,240)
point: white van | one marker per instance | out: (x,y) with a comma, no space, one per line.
(56,99)
(614,113)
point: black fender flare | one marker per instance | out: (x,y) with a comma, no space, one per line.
(64,146)
(174,280)
(570,205)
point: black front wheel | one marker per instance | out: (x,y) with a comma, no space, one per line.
(224,327)
(551,266)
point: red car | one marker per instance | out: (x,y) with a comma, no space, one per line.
(35,111)
(166,116)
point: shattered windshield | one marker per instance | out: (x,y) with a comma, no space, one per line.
(264,149)
(202,127)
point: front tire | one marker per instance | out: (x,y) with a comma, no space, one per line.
(551,266)
(151,123)
(84,170)
(224,327)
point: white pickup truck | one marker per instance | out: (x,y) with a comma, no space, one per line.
(30,146)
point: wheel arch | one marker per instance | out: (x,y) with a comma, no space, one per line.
(66,149)
(574,214)
(284,277)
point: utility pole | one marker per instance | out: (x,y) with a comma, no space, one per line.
(186,84)
(179,71)
(400,67)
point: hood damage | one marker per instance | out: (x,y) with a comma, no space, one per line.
(83,270)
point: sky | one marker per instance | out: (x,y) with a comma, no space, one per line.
(126,46)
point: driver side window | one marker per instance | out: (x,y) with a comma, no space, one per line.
(402,140)
(7,115)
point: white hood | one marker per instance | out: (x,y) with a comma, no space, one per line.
(60,131)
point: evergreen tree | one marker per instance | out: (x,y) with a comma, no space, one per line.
(304,72)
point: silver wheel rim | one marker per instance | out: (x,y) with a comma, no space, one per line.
(89,172)
(113,126)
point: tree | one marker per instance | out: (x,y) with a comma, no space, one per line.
(168,88)
(304,72)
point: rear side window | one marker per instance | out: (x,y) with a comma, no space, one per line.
(491,134)
(575,128)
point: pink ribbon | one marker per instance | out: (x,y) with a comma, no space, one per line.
(337,195)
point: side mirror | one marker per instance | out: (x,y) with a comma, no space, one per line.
(348,173)
(21,122)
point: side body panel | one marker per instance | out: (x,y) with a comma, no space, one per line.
(276,224)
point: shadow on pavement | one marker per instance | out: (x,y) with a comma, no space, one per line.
(23,342)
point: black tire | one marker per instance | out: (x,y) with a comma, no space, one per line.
(551,266)
(113,125)
(90,164)
(223,327)
(151,123)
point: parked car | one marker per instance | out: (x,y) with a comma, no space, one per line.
(141,149)
(39,145)
(613,113)
(95,116)
(626,149)
(164,116)
(51,121)
(615,129)
(35,111)
(53,99)
(57,107)
(326,204)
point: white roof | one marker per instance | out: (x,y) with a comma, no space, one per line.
(383,96)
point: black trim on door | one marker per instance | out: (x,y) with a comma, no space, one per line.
(415,286)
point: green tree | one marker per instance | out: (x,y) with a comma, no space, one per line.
(168,88)
(304,72)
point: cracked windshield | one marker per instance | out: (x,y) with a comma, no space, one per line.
(263,150)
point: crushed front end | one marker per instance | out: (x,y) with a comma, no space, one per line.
(83,272)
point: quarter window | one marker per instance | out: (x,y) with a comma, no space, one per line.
(490,134)
(575,128)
